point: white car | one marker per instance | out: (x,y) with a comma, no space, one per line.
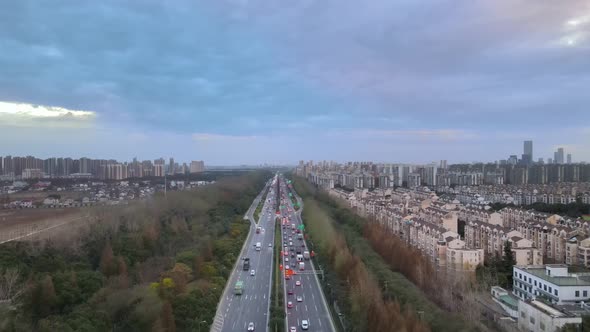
(253,272)
(304,324)
(286,259)
(292,329)
(297,283)
(270,244)
(299,299)
(251,326)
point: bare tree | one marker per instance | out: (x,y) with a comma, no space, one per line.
(9,284)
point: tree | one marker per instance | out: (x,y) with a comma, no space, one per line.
(108,266)
(48,298)
(508,262)
(9,284)
(167,318)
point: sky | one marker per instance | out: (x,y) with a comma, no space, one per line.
(265,81)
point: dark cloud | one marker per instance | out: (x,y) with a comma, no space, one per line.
(244,67)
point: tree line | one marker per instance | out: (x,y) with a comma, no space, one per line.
(158,265)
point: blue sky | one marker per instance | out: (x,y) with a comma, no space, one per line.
(253,81)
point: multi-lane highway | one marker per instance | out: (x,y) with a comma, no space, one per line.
(237,312)
(304,299)
(302,290)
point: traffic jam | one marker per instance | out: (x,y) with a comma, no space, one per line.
(294,254)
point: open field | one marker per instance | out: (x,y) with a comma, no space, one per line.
(22,224)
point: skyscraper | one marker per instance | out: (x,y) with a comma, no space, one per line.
(171,166)
(528,149)
(569,158)
(560,157)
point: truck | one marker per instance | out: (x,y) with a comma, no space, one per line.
(306,254)
(246,264)
(239,287)
(258,246)
(301,266)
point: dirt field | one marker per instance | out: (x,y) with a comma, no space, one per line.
(11,219)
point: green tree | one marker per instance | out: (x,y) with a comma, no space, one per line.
(48,298)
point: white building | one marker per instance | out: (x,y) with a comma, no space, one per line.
(537,316)
(552,282)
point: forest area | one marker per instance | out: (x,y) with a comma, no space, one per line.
(156,265)
(379,283)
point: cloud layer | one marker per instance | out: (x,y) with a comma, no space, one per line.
(333,79)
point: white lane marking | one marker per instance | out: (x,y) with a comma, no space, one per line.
(306,308)
(319,320)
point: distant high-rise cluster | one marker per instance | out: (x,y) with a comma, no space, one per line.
(30,167)
(559,157)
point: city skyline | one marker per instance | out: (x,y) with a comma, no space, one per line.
(240,83)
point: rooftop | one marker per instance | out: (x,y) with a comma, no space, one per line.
(578,279)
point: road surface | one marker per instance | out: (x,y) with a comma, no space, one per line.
(235,312)
(313,307)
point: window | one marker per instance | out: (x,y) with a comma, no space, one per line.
(544,287)
(550,289)
(522,314)
(555,292)
(535,283)
(585,293)
(542,326)
(532,320)
(577,293)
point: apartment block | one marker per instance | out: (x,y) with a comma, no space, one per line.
(552,282)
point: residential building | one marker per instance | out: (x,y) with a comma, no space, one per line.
(553,282)
(197,166)
(537,316)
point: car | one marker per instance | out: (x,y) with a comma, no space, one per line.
(286,259)
(286,267)
(290,292)
(299,299)
(292,329)
(290,243)
(253,272)
(304,324)
(289,304)
(297,283)
(250,326)
(270,245)
(287,277)
(292,254)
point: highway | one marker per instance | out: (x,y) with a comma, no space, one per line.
(313,307)
(235,312)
